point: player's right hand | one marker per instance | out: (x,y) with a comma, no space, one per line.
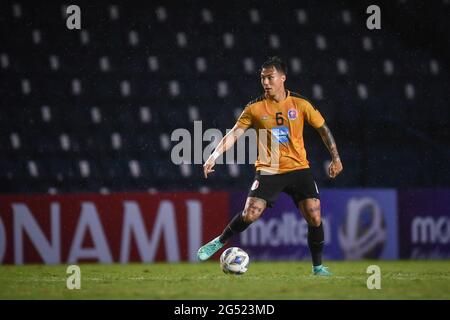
(207,167)
(335,168)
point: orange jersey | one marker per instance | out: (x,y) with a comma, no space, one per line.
(283,123)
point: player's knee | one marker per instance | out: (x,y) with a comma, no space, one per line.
(251,215)
(253,209)
(315,220)
(313,216)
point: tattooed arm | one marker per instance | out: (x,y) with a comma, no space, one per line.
(336,165)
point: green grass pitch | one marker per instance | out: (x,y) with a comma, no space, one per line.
(264,280)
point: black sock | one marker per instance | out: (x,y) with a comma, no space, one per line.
(315,243)
(236,225)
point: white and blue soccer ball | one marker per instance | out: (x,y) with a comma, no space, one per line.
(234,260)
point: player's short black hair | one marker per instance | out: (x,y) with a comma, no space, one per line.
(275,62)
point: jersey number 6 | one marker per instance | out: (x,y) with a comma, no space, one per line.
(279,118)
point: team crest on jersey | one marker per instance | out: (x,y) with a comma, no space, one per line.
(255,185)
(264,117)
(292,114)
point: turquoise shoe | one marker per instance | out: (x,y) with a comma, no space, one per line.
(205,252)
(321,271)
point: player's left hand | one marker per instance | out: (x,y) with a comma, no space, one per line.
(335,168)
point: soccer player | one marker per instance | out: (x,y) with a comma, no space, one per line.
(282,114)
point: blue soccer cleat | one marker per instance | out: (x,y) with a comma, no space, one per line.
(206,251)
(321,271)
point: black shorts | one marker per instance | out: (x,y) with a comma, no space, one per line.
(298,184)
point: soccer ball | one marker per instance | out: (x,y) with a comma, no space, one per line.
(234,261)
